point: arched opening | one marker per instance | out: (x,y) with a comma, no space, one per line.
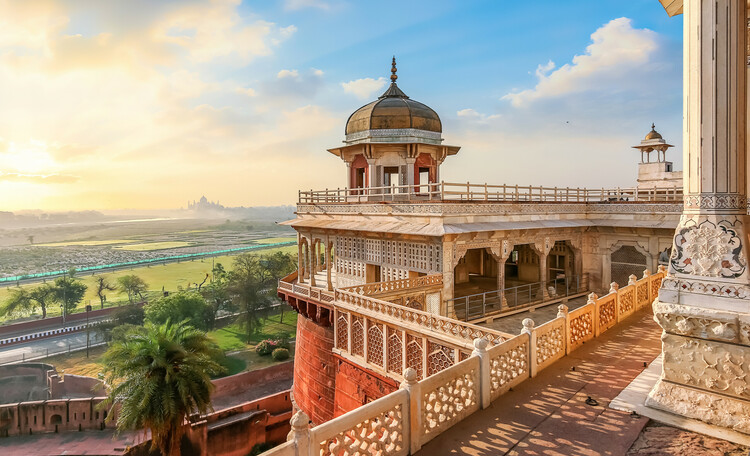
(55,419)
(664,256)
(359,176)
(625,261)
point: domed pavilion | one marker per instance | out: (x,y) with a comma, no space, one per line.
(394,141)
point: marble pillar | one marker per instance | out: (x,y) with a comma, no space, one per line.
(704,302)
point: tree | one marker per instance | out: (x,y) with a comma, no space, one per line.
(23,301)
(185,305)
(161,377)
(252,286)
(126,316)
(133,286)
(216,293)
(102,286)
(68,291)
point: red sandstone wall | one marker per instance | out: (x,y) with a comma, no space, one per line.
(314,370)
(233,384)
(356,386)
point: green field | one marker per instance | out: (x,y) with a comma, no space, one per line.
(233,338)
(276,239)
(171,276)
(85,243)
(148,246)
(229,339)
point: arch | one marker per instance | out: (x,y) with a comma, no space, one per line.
(627,260)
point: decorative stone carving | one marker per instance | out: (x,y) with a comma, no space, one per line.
(708,249)
(715,201)
(714,366)
(550,344)
(710,407)
(508,366)
(697,322)
(381,434)
(442,406)
(707,288)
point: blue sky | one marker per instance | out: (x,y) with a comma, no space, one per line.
(148,104)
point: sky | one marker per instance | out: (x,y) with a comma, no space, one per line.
(148,104)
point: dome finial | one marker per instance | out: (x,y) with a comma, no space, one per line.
(653,126)
(394,76)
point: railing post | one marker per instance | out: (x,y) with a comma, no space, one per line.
(562,312)
(300,434)
(592,299)
(480,350)
(412,412)
(528,328)
(613,287)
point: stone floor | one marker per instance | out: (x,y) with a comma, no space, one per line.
(512,323)
(548,415)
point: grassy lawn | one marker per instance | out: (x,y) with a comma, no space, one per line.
(171,276)
(148,246)
(77,363)
(231,337)
(242,356)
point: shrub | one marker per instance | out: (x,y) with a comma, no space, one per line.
(280,354)
(265,347)
(282,342)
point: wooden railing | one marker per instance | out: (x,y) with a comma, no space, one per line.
(403,421)
(447,191)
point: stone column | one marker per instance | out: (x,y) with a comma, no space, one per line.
(543,273)
(300,261)
(328,265)
(305,260)
(704,300)
(371,173)
(312,266)
(410,173)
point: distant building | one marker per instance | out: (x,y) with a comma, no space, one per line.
(204,204)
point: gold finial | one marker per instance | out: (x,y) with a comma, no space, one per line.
(394,76)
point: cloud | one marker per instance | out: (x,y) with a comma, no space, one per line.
(293,5)
(363,88)
(38,178)
(473,115)
(615,57)
(287,74)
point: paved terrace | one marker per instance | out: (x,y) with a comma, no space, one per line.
(548,414)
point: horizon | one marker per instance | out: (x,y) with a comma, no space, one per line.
(114,107)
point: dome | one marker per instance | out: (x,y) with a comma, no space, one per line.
(653,134)
(394,110)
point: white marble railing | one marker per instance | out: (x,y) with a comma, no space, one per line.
(454,329)
(370,289)
(401,422)
(448,191)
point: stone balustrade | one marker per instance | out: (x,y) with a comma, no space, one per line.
(403,421)
(373,289)
(449,191)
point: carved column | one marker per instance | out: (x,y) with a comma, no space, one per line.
(704,301)
(305,260)
(542,249)
(410,173)
(501,255)
(312,261)
(328,264)
(300,260)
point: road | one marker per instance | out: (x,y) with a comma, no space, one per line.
(52,325)
(40,347)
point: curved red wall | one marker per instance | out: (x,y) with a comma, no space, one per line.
(314,370)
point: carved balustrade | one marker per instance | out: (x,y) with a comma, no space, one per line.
(458,383)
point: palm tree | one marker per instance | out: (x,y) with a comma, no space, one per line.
(160,375)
